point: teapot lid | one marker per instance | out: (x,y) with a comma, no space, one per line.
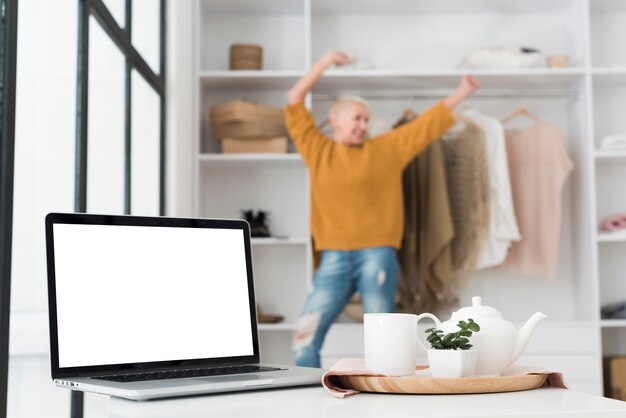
(477,309)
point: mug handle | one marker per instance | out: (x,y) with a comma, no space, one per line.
(437,323)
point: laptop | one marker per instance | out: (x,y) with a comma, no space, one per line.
(154,307)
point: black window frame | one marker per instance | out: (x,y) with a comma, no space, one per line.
(8,60)
(122,38)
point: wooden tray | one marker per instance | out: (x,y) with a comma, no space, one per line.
(429,385)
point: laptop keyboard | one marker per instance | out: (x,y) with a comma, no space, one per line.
(178,374)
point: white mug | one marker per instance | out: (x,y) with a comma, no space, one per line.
(390,343)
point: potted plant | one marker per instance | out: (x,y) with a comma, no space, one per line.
(452,355)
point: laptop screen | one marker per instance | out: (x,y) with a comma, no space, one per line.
(152,290)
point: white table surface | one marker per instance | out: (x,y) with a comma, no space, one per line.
(316,402)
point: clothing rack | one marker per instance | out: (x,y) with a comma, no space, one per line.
(435,96)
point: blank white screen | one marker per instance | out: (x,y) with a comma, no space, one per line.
(129,294)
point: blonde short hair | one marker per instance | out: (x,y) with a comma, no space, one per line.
(347,99)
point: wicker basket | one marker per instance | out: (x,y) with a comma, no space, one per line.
(246,57)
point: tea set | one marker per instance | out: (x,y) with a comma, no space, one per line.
(391,343)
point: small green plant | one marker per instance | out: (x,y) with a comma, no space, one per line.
(455,340)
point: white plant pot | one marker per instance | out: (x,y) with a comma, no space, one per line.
(452,363)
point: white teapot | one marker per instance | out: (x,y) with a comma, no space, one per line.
(498,343)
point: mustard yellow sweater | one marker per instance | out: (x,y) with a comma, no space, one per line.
(356,191)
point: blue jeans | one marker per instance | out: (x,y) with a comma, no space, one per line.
(373,272)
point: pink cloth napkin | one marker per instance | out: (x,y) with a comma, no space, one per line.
(356,367)
(614,222)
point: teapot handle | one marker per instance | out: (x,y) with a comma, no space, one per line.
(437,323)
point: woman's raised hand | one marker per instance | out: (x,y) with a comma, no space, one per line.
(306,82)
(334,58)
(468,84)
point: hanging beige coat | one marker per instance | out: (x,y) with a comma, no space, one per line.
(425,255)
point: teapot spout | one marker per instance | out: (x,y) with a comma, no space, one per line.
(523,335)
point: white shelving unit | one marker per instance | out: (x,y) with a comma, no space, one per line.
(413,51)
(609,88)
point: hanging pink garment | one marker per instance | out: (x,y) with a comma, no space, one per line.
(538,165)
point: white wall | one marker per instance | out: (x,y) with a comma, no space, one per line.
(45,138)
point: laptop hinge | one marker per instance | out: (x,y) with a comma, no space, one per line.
(159,369)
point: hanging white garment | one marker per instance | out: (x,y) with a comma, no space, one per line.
(503,228)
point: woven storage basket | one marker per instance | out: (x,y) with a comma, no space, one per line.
(276,145)
(242,119)
(245,57)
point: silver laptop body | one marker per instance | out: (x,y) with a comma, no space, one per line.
(134,302)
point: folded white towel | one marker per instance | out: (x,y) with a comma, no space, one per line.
(502,57)
(616,142)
